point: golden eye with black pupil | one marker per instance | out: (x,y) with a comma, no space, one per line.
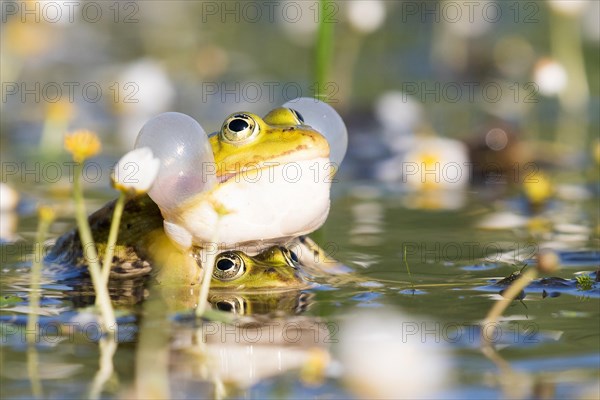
(232,304)
(290,257)
(298,116)
(228,266)
(239,128)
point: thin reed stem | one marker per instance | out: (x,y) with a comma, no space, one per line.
(112,237)
(323,50)
(46,217)
(103,302)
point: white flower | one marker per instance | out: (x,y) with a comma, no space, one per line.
(8,197)
(146,90)
(366,15)
(299,20)
(436,162)
(136,171)
(568,7)
(8,226)
(550,77)
(390,355)
(398,112)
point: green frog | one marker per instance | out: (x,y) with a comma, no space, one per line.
(256,183)
(233,188)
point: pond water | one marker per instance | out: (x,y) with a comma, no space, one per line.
(424,278)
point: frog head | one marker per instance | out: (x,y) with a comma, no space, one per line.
(276,268)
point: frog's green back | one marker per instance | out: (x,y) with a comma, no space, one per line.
(141,216)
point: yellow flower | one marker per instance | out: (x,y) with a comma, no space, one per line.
(82,144)
(538,189)
(46,213)
(313,371)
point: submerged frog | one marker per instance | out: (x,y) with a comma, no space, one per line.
(234,188)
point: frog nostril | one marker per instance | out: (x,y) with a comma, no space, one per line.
(238,125)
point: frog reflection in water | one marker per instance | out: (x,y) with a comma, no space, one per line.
(265,212)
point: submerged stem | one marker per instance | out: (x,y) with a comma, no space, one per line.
(33,372)
(412,284)
(508,296)
(112,237)
(36,274)
(46,217)
(152,353)
(208,264)
(108,347)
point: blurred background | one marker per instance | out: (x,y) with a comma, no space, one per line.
(473,142)
(519,79)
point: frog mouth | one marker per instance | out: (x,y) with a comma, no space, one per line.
(252,171)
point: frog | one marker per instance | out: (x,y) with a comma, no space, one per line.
(143,249)
(255,183)
(207,191)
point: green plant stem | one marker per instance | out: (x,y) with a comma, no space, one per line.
(112,237)
(567,48)
(508,296)
(103,302)
(323,50)
(412,284)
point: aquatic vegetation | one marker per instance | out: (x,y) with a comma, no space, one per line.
(547,263)
(584,282)
(134,173)
(82,145)
(46,216)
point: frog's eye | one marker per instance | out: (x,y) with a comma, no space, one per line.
(298,116)
(238,128)
(228,266)
(187,161)
(232,304)
(290,257)
(325,120)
